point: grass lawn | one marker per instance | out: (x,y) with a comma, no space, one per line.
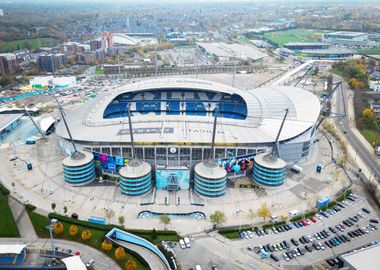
(7,46)
(99,71)
(39,222)
(294,35)
(372,136)
(191,46)
(369,51)
(8,227)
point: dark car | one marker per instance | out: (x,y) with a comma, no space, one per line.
(74,215)
(373,220)
(294,241)
(302,241)
(328,244)
(332,229)
(274,257)
(330,262)
(308,248)
(366,210)
(286,243)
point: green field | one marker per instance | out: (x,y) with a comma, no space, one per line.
(97,236)
(369,51)
(8,46)
(294,35)
(8,227)
(372,136)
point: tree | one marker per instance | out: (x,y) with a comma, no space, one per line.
(106,245)
(251,215)
(65,209)
(58,228)
(165,219)
(264,211)
(131,265)
(86,235)
(121,221)
(154,234)
(7,80)
(329,82)
(73,230)
(53,206)
(119,253)
(218,218)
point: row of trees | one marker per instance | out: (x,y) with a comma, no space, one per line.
(119,255)
(219,218)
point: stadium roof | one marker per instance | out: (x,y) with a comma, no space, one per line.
(11,249)
(266,109)
(347,34)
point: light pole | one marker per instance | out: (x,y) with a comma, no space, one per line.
(51,227)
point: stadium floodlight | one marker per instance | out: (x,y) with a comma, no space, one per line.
(51,228)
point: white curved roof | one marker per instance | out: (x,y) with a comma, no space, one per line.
(266,109)
(120,38)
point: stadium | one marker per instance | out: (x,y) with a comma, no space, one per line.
(173,122)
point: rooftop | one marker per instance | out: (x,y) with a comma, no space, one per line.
(347,33)
(7,119)
(266,109)
(233,50)
(269,161)
(363,259)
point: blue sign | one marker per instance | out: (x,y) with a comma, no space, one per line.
(172,177)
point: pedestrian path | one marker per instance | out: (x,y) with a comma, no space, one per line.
(21,217)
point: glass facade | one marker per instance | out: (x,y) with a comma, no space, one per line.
(79,175)
(136,186)
(268,176)
(210,187)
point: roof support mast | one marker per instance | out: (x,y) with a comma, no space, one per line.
(34,123)
(278,135)
(131,130)
(214,131)
(67,127)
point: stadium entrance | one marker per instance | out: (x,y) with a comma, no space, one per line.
(172,178)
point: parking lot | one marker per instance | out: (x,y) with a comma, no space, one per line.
(325,238)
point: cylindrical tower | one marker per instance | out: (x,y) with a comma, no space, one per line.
(210,179)
(135,177)
(268,170)
(79,168)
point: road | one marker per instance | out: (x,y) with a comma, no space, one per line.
(362,151)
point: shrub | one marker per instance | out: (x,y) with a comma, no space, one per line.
(86,235)
(131,265)
(30,207)
(119,253)
(275,224)
(106,245)
(4,190)
(73,230)
(58,228)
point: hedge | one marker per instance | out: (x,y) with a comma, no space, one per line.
(30,207)
(3,190)
(236,229)
(108,227)
(307,215)
(344,195)
(275,224)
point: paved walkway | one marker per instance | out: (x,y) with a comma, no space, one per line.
(21,217)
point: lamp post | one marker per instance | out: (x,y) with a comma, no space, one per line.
(51,227)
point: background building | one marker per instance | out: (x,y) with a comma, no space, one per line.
(8,64)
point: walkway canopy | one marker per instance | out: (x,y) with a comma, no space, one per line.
(74,263)
(11,249)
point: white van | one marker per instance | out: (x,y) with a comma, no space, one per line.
(294,213)
(187,242)
(297,169)
(198,267)
(274,218)
(182,244)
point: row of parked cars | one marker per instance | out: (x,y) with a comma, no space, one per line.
(264,231)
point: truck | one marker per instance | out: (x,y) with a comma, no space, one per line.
(377,150)
(321,202)
(182,244)
(294,213)
(297,169)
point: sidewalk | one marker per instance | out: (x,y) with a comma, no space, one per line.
(21,217)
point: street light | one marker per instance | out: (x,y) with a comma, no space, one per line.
(51,227)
